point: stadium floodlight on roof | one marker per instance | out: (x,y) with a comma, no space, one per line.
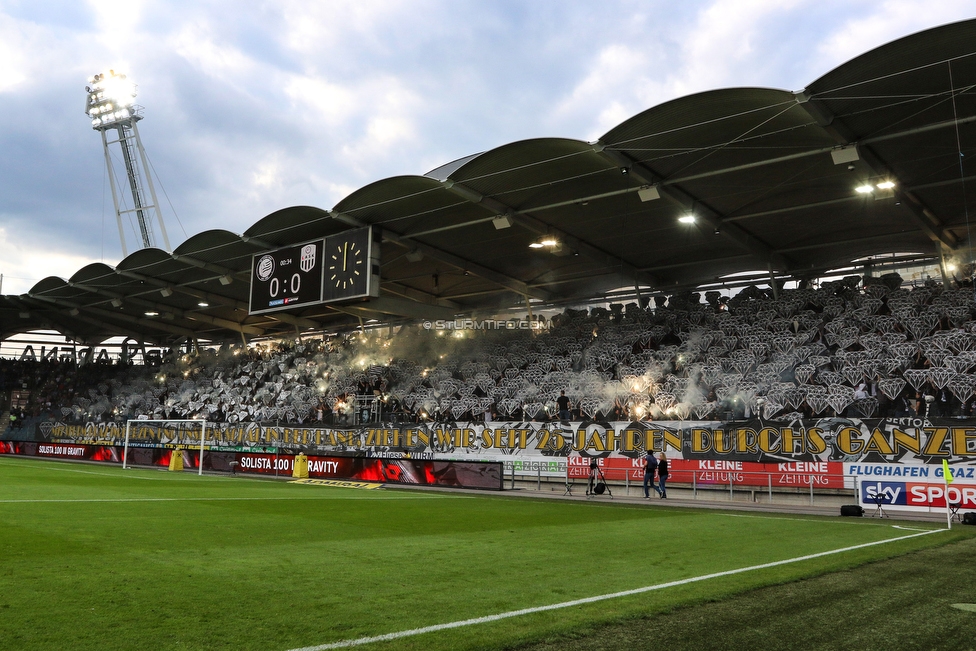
(111,107)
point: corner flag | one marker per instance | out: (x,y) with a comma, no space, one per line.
(946,472)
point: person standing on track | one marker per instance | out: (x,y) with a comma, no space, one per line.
(662,474)
(650,466)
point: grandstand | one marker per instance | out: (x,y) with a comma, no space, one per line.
(838,350)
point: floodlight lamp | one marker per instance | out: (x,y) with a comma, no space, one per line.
(548,242)
(226,279)
(886,185)
(109,95)
(687,219)
(150,313)
(536,245)
(203,304)
(864,189)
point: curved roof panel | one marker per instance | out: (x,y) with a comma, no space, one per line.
(49,284)
(929,52)
(444,171)
(697,120)
(516,171)
(388,197)
(294,224)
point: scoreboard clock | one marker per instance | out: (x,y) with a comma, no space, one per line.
(351,265)
(286,278)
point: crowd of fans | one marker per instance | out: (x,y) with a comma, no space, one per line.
(856,347)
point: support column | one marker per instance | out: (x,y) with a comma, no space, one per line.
(772,282)
(942,266)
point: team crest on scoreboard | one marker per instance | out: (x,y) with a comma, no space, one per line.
(266,267)
(307,260)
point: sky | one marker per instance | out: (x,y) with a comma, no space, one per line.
(254,107)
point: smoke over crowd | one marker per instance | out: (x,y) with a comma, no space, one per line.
(862,346)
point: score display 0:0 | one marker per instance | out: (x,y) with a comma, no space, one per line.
(286,278)
(274,285)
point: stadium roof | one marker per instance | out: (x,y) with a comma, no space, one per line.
(770,176)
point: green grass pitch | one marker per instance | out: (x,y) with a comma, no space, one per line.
(99,558)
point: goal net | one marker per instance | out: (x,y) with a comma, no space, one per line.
(165,433)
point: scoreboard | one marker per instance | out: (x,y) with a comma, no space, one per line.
(286,278)
(338,268)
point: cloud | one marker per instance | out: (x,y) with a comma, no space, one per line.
(29,52)
(720,45)
(726,45)
(318,99)
(355,33)
(366,120)
(28,259)
(13,50)
(614,88)
(223,62)
(881,23)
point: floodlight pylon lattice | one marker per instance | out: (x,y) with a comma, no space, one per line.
(111,107)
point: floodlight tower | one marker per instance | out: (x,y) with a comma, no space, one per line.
(111,107)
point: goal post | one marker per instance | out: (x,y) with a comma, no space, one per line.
(176,431)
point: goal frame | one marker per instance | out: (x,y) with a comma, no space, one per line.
(203,435)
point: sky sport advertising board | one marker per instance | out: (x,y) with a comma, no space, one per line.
(917,488)
(917,495)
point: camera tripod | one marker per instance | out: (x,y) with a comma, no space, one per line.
(601,480)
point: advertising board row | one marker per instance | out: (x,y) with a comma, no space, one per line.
(830,453)
(422,472)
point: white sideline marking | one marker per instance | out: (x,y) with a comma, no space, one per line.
(120,475)
(814,518)
(588,600)
(164,476)
(898,526)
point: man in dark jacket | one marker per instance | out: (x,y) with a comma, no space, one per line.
(650,467)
